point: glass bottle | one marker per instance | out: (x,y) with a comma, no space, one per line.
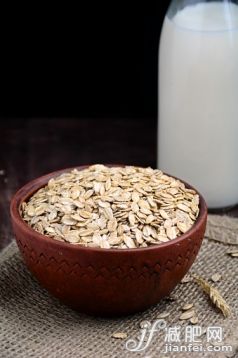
(198,97)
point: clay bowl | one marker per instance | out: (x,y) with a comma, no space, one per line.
(104,281)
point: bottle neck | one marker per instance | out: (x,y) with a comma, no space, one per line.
(204,15)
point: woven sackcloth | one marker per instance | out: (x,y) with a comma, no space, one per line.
(34,324)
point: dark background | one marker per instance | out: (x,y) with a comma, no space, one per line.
(86,60)
(78,86)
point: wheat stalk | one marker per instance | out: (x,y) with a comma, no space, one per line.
(214,295)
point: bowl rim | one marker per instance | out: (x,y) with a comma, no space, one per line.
(32,186)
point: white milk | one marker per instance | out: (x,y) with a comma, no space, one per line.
(198,103)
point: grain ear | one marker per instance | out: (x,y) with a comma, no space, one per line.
(214,295)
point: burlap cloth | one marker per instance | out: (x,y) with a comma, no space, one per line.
(34,324)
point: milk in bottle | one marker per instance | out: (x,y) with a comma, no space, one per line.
(198,99)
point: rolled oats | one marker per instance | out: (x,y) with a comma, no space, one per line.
(117,207)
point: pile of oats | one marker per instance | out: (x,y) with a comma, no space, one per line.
(118,207)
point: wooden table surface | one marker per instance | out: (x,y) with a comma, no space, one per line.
(33,147)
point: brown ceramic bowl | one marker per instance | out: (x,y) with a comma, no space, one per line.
(104,281)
